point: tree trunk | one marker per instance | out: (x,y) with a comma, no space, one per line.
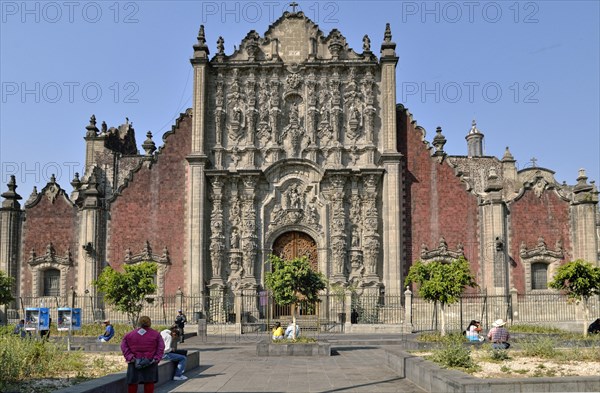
(443,315)
(293,321)
(586,316)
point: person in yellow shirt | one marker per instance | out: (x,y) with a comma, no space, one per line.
(277,332)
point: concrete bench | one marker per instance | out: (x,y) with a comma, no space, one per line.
(117,383)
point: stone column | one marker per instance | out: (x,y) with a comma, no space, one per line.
(217,238)
(92,244)
(338,229)
(372,242)
(583,227)
(10,234)
(391,188)
(195,255)
(249,237)
(388,92)
(407,325)
(494,263)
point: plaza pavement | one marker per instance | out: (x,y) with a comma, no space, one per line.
(230,364)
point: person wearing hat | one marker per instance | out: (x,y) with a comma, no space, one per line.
(109,332)
(498,335)
(180,321)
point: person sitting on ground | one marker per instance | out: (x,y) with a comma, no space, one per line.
(594,328)
(498,335)
(168,335)
(20,329)
(109,332)
(277,332)
(473,330)
(290,330)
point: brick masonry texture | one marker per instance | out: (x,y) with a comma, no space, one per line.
(152,207)
(532,217)
(437,203)
(49,222)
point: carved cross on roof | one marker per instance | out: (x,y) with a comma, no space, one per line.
(533,162)
(293,4)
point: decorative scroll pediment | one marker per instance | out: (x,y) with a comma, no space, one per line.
(541,251)
(280,44)
(442,253)
(146,255)
(50,257)
(52,191)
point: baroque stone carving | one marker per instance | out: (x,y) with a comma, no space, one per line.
(146,255)
(441,253)
(50,257)
(541,250)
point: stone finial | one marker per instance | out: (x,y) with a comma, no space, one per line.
(104,128)
(33,195)
(11,195)
(76,183)
(493,181)
(200,48)
(12,186)
(92,130)
(201,36)
(438,142)
(582,186)
(388,47)
(387,36)
(149,146)
(507,155)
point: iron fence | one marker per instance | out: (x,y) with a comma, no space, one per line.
(485,308)
(256,311)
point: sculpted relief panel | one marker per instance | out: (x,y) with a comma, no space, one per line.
(297,110)
(325,115)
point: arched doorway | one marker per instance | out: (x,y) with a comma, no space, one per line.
(295,244)
(292,245)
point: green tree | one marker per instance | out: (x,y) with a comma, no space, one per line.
(128,290)
(441,282)
(580,280)
(6,288)
(292,282)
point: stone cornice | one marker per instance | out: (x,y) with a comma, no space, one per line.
(441,253)
(50,257)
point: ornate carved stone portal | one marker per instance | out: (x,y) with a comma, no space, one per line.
(294,147)
(292,245)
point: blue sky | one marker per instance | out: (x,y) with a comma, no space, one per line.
(527,71)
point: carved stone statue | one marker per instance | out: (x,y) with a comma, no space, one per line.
(220,46)
(355,238)
(366,43)
(234,241)
(293,197)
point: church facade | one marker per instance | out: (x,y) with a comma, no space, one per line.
(295,145)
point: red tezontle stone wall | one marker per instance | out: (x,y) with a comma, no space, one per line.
(49,222)
(152,207)
(436,202)
(532,217)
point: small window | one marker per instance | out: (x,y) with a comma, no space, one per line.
(51,283)
(539,276)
